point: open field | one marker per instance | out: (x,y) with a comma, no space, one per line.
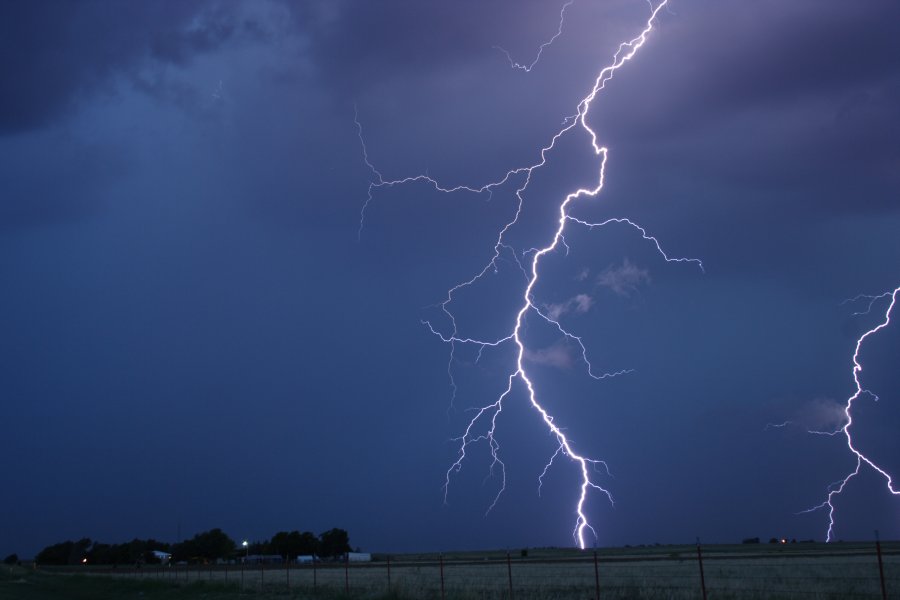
(734,572)
(17,583)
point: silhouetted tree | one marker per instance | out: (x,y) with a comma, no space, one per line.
(309,543)
(283,543)
(56,554)
(64,553)
(207,546)
(103,554)
(11,559)
(334,542)
(214,544)
(290,545)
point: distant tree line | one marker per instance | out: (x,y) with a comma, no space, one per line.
(207,547)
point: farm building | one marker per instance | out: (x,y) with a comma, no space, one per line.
(359,557)
(264,559)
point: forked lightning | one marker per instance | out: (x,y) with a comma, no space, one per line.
(483,425)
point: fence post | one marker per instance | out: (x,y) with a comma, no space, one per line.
(287,572)
(262,569)
(242,574)
(700,562)
(596,577)
(880,566)
(314,571)
(441,559)
(389,572)
(347,573)
(509,574)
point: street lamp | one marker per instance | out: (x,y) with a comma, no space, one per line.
(246,550)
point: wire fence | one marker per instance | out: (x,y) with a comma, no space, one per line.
(859,571)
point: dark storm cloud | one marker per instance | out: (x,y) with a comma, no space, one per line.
(57,52)
(60,59)
(191,325)
(356,44)
(774,100)
(796,49)
(732,55)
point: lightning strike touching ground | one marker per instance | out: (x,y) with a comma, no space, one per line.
(837,487)
(482,426)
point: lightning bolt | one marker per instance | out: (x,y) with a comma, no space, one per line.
(837,487)
(527,68)
(482,427)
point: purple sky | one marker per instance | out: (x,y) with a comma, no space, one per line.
(194,335)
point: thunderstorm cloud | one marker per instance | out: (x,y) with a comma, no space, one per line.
(624,280)
(580,303)
(556,355)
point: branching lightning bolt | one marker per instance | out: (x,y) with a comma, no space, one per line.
(527,68)
(529,263)
(837,487)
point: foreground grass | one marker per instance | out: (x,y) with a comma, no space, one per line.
(801,571)
(18,583)
(24,584)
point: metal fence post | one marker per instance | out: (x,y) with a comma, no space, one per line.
(389,572)
(441,559)
(509,574)
(700,562)
(347,573)
(596,577)
(880,566)
(287,572)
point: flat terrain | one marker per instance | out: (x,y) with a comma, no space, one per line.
(17,583)
(751,572)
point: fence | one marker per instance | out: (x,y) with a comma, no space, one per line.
(795,571)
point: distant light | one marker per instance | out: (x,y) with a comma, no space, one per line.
(84,561)
(783,541)
(244,543)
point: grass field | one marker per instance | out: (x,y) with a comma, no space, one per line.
(659,572)
(17,583)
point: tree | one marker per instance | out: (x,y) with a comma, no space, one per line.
(293,544)
(214,544)
(64,553)
(334,542)
(11,559)
(207,546)
(280,544)
(309,543)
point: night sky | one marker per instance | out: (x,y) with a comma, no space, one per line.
(195,333)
